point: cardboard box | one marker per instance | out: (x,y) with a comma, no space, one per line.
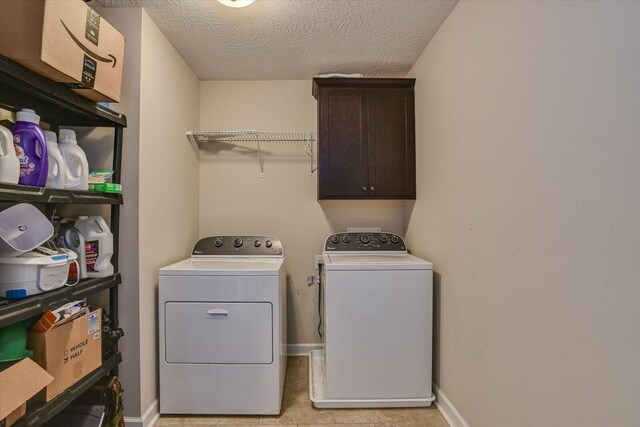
(66,41)
(19,383)
(68,352)
(105,187)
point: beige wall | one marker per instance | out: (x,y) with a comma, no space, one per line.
(169,93)
(235,200)
(528,124)
(97,145)
(160,176)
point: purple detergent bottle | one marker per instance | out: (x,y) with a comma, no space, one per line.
(31,148)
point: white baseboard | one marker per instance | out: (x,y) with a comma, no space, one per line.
(302,349)
(446,408)
(148,419)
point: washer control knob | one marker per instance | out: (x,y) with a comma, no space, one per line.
(237,242)
(217,243)
(395,239)
(346,239)
(384,238)
(335,239)
(257,243)
(365,239)
(268,243)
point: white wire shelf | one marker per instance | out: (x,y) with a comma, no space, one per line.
(276,145)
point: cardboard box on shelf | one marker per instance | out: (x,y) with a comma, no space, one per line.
(66,41)
(19,383)
(68,352)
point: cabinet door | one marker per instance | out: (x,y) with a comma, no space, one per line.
(391,143)
(342,145)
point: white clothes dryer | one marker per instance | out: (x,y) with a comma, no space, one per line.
(377,314)
(223,328)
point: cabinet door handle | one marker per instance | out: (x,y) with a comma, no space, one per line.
(373,188)
(364,188)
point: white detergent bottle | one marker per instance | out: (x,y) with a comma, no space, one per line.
(9,163)
(72,239)
(75,160)
(98,242)
(57,175)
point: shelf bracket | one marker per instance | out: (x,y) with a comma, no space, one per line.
(257,136)
(309,139)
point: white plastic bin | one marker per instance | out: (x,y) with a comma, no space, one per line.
(34,272)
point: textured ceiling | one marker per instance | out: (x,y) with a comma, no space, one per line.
(296,39)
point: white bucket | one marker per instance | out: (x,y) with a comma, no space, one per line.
(34,272)
(22,228)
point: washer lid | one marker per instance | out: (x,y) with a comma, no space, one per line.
(375,262)
(224,266)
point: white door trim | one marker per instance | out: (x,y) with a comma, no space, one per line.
(448,411)
(148,419)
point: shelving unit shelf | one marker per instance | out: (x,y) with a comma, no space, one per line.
(21,193)
(22,309)
(39,413)
(260,143)
(58,106)
(54,102)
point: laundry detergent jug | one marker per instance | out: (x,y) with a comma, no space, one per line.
(31,148)
(98,242)
(9,163)
(75,160)
(71,238)
(57,175)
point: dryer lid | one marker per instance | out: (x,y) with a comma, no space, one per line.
(224,266)
(370,262)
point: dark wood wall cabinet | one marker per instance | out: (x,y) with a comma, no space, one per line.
(366,138)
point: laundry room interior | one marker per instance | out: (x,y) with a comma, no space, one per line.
(333,212)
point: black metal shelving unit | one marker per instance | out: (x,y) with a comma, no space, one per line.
(16,311)
(23,193)
(39,413)
(59,106)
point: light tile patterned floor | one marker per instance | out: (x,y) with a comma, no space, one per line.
(297,409)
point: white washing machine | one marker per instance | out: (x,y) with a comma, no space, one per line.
(223,328)
(377,314)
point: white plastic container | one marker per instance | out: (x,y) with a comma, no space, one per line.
(71,238)
(9,163)
(98,243)
(57,175)
(22,228)
(34,272)
(75,160)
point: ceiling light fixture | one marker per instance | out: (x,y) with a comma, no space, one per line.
(236,3)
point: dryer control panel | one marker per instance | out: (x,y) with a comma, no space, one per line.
(242,246)
(364,242)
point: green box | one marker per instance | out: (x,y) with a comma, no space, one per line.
(105,187)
